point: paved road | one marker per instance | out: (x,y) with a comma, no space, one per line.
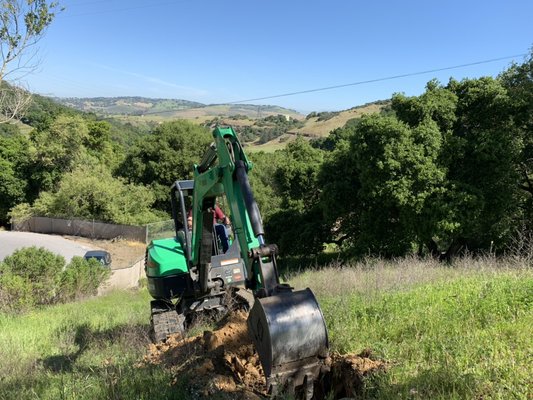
(120,279)
(11,241)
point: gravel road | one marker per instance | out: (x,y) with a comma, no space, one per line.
(11,241)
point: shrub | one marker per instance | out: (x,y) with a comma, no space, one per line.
(39,268)
(81,278)
(16,293)
(35,276)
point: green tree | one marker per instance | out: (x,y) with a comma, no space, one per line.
(8,129)
(298,226)
(42,111)
(14,162)
(297,174)
(56,150)
(12,189)
(378,185)
(482,158)
(22,24)
(91,192)
(165,156)
(263,181)
(518,80)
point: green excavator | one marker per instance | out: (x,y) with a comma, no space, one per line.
(189,274)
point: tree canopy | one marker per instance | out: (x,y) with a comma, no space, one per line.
(445,171)
(165,156)
(22,24)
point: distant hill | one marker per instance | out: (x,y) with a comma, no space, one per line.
(163,109)
(265,128)
(320,124)
(125,105)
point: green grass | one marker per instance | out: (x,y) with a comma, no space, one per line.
(461,332)
(85,350)
(447,332)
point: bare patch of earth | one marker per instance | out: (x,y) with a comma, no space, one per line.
(124,253)
(224,363)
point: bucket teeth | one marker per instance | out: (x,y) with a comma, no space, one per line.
(290,336)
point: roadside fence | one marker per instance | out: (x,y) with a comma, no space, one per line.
(94,229)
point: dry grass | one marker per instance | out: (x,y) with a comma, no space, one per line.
(316,128)
(124,253)
(375,276)
(275,144)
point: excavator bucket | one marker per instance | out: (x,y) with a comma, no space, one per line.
(290,336)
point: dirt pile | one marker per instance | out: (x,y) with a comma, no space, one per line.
(224,362)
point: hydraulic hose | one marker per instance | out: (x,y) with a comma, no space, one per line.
(251,205)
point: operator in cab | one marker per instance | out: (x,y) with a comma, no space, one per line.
(220,220)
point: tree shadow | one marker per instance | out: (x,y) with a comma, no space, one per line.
(86,337)
(427,384)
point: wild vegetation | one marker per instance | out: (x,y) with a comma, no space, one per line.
(437,174)
(34,276)
(440,173)
(444,176)
(446,332)
(264,129)
(164,110)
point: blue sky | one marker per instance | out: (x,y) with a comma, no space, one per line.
(223,51)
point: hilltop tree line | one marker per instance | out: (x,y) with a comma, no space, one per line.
(263,130)
(438,173)
(446,171)
(450,170)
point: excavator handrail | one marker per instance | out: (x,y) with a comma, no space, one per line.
(180,187)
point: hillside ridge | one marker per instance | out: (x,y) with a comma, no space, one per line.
(170,108)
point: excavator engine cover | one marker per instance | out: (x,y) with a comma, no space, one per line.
(290,335)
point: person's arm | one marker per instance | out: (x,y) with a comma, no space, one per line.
(219,215)
(189,219)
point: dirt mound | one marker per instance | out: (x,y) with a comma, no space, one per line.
(224,362)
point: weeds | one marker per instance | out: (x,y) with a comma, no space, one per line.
(460,331)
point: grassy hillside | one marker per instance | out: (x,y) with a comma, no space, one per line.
(321,126)
(461,332)
(166,109)
(318,126)
(141,114)
(125,105)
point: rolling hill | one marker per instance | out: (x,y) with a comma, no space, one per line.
(317,125)
(165,109)
(142,112)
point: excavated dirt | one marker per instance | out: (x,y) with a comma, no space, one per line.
(224,362)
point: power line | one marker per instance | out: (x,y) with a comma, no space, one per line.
(116,10)
(353,83)
(377,79)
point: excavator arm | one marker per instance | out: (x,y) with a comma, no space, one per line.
(286,326)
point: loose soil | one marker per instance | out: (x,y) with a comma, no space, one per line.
(223,364)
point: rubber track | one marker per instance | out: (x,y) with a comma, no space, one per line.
(167,323)
(244,298)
